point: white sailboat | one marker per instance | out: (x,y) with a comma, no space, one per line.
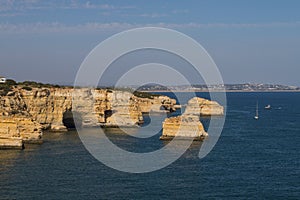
(256,116)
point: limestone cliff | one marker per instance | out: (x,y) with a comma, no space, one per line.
(107,108)
(17,129)
(47,106)
(125,110)
(24,112)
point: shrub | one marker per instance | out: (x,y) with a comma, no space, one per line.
(11,82)
(144,95)
(4,89)
(27,88)
(39,85)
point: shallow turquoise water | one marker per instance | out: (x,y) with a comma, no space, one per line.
(252,159)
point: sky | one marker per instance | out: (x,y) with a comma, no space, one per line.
(255,41)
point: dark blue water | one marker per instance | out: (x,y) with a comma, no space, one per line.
(252,159)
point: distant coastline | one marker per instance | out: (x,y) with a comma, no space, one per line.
(245,87)
(154,88)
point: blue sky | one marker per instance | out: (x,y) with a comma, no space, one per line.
(250,41)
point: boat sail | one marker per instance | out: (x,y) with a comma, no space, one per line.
(256,116)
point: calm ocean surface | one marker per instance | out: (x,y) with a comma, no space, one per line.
(252,159)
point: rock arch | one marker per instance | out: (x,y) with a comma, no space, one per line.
(72,119)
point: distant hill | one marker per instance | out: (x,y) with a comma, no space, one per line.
(246,87)
(229,87)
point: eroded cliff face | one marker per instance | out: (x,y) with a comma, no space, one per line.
(183,126)
(15,130)
(107,108)
(47,106)
(157,104)
(125,109)
(18,126)
(24,113)
(12,103)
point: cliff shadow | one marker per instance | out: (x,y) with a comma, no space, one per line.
(69,118)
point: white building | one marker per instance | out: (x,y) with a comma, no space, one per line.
(2,79)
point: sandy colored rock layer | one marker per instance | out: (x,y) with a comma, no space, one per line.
(188,124)
(183,126)
(200,106)
(11,143)
(24,113)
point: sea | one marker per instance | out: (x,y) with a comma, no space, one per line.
(253,159)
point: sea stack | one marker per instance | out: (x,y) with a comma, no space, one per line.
(203,107)
(188,124)
(184,126)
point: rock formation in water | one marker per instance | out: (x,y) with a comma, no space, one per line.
(200,106)
(189,124)
(183,126)
(25,112)
(17,129)
(156,104)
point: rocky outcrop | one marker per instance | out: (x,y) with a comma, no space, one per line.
(184,126)
(189,124)
(24,112)
(156,104)
(200,106)
(18,129)
(124,110)
(47,106)
(12,104)
(11,143)
(107,108)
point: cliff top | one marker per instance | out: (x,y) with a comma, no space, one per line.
(12,85)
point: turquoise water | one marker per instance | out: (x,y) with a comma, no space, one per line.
(252,159)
